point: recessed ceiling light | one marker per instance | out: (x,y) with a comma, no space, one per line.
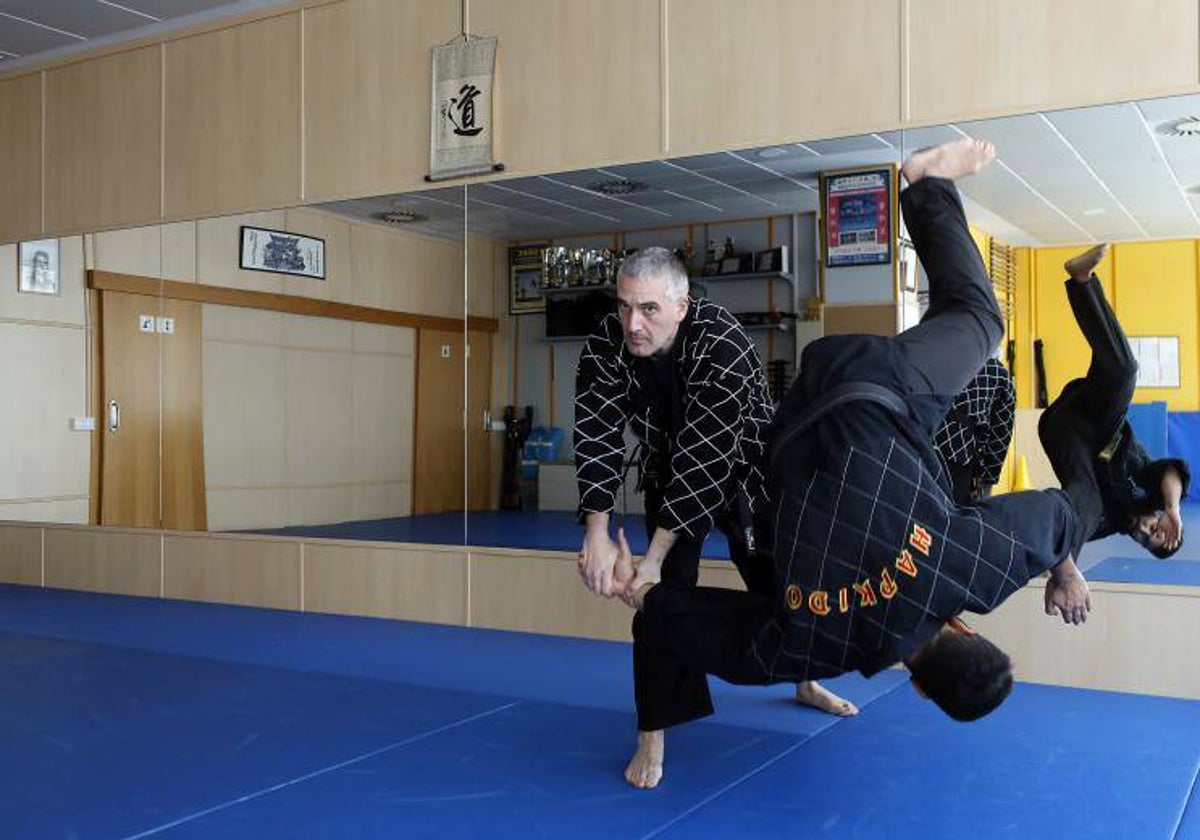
(617,186)
(773,152)
(1095,211)
(400,217)
(1183,127)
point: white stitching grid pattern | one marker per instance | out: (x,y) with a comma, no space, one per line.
(725,415)
(900,490)
(978,428)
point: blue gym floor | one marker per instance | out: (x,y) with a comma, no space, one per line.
(130,717)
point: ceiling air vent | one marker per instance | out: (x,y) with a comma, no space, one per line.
(1184,127)
(400,217)
(618,186)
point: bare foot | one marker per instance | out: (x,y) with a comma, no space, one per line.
(645,769)
(812,693)
(949,160)
(1080,267)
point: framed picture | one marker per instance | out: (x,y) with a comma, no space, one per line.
(38,264)
(710,268)
(525,280)
(857,222)
(731,265)
(772,259)
(280,252)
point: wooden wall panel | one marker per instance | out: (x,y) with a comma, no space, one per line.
(21,555)
(21,157)
(414,583)
(767,71)
(257,573)
(1137,638)
(120,562)
(540,592)
(873,319)
(579,83)
(366,93)
(232,125)
(103,141)
(973,58)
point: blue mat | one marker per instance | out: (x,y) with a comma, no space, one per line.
(1050,763)
(592,674)
(103,741)
(532,770)
(1174,571)
(133,717)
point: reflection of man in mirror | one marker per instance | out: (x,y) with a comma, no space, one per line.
(41,276)
(1090,443)
(688,381)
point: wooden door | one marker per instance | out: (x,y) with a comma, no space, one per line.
(129,456)
(184,506)
(152,450)
(479,440)
(439,456)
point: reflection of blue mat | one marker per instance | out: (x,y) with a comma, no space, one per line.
(535,530)
(1146,570)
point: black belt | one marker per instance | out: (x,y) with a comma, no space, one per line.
(831,399)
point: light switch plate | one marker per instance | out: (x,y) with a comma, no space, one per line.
(166,326)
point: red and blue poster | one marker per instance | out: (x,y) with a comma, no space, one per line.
(858,218)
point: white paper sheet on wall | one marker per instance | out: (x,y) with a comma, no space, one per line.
(1158,361)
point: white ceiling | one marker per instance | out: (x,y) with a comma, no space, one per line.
(1080,175)
(33,31)
(1062,177)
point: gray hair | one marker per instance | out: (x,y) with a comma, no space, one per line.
(658,264)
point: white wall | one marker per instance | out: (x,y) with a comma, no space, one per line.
(44,467)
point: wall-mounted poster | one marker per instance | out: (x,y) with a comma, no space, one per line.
(858,217)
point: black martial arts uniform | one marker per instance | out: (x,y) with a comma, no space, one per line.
(1090,444)
(973,439)
(871,554)
(701,412)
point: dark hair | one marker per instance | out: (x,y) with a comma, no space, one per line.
(967,676)
(1162,552)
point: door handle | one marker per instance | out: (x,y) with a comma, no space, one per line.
(114,415)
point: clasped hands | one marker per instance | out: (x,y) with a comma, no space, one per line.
(607,567)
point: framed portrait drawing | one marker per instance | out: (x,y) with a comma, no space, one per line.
(280,252)
(38,267)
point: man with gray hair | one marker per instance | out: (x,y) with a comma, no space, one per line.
(688,381)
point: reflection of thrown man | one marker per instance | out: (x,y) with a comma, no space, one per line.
(687,379)
(874,562)
(1090,444)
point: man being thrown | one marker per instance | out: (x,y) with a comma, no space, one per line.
(873,560)
(688,381)
(1090,444)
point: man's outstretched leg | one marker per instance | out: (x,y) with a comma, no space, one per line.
(963,323)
